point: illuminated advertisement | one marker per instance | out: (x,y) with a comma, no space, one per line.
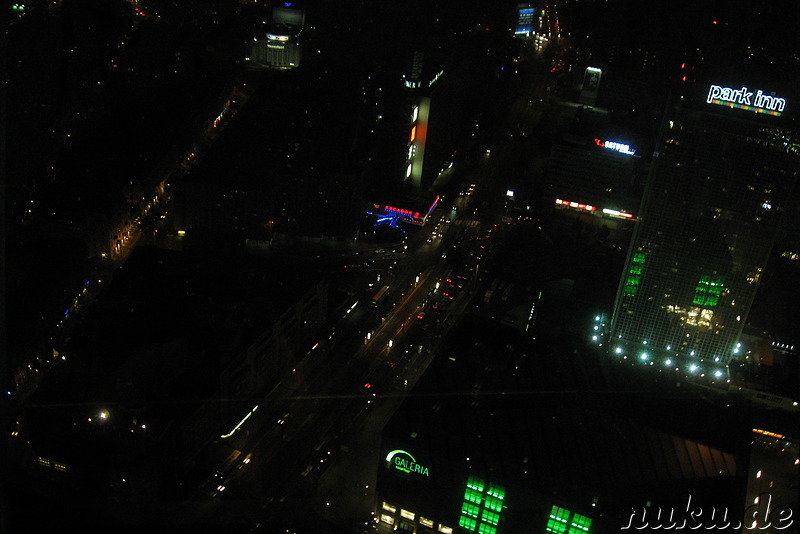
(745,99)
(411,216)
(403,461)
(617,147)
(575,205)
(588,207)
(591,85)
(417,138)
(525,21)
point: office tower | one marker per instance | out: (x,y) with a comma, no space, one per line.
(723,170)
(599,177)
(278,45)
(438,93)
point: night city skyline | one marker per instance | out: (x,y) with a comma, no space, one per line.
(366,266)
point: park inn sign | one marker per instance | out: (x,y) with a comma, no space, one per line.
(744,99)
(405,462)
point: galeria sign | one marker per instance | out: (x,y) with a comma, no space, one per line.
(745,99)
(403,461)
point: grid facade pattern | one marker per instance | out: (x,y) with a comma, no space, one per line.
(480,511)
(710,215)
(563,521)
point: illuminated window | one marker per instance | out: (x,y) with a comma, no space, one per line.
(470,510)
(580,524)
(407,514)
(425,522)
(389,507)
(389,520)
(708,291)
(467,523)
(634,275)
(557,522)
(562,521)
(480,511)
(445,530)
(490,517)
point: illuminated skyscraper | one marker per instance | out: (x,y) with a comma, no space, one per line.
(278,44)
(722,173)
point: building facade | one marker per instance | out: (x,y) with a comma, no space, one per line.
(719,185)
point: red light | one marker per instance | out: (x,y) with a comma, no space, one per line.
(713,22)
(367,385)
(683,79)
(419,317)
(599,142)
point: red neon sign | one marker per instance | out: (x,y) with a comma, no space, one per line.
(414,214)
(587,207)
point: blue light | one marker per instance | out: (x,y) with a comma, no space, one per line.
(287,4)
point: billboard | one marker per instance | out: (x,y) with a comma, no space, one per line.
(591,84)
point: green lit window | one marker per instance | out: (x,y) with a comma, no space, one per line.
(482,506)
(473,496)
(475,483)
(634,275)
(493,503)
(708,290)
(470,510)
(490,517)
(557,522)
(467,523)
(580,524)
(562,521)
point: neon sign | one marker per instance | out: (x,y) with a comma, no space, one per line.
(617,213)
(409,213)
(435,78)
(569,204)
(405,462)
(744,99)
(617,147)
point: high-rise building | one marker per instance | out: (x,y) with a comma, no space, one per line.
(722,174)
(278,44)
(438,91)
